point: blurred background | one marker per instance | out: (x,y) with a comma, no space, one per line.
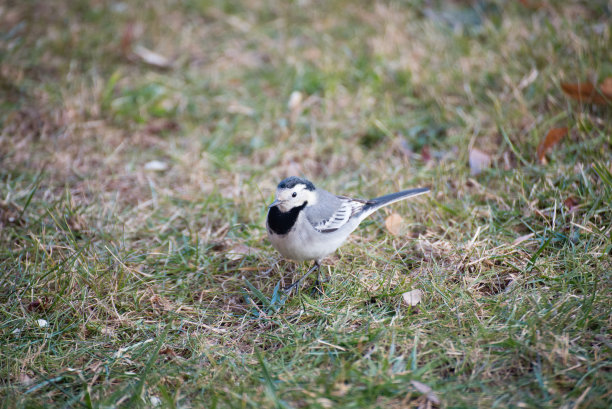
(141,141)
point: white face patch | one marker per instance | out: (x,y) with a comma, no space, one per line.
(288,201)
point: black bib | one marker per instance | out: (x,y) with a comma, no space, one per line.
(282,223)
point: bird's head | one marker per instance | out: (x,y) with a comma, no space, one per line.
(294,192)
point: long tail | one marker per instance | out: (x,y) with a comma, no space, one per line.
(385,200)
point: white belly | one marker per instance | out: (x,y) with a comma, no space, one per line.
(303,242)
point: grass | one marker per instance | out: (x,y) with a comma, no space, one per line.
(128,287)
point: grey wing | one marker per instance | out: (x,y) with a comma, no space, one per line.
(347,209)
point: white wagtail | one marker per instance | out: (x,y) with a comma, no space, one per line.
(308,223)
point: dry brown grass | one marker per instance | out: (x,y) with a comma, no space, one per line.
(139,273)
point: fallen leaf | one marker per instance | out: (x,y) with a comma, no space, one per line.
(168,351)
(25,379)
(393,223)
(151,57)
(521,239)
(426,390)
(588,93)
(606,87)
(579,91)
(478,161)
(240,251)
(36,305)
(571,203)
(552,138)
(156,166)
(412,297)
(295,100)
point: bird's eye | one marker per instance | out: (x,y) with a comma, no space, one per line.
(294,194)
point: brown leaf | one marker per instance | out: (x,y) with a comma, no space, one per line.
(168,351)
(478,161)
(552,138)
(588,93)
(571,203)
(606,87)
(393,223)
(578,90)
(36,306)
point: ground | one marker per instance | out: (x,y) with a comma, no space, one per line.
(141,142)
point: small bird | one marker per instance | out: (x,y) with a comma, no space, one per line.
(308,223)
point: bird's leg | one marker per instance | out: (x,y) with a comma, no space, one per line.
(318,286)
(316,266)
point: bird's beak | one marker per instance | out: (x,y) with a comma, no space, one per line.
(274,203)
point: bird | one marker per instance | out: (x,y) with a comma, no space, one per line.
(308,223)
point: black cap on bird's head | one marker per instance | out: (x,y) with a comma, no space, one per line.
(292,181)
(294,192)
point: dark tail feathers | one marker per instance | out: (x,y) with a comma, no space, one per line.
(393,197)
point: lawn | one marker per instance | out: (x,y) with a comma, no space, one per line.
(141,142)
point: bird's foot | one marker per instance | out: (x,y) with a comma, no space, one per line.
(287,290)
(297,283)
(317,289)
